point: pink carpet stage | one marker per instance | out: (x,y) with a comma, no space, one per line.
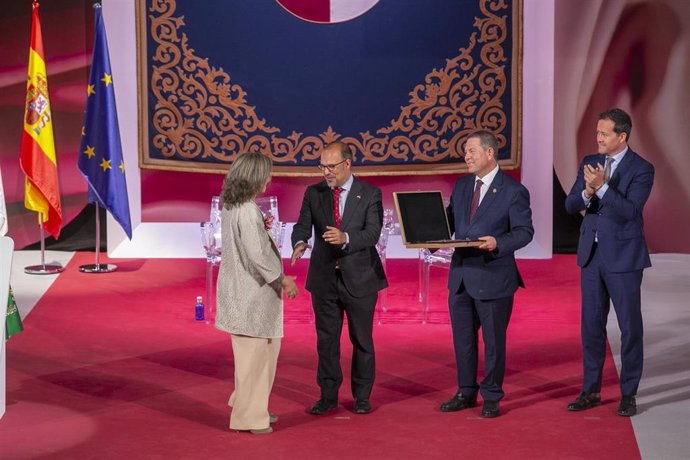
(114,366)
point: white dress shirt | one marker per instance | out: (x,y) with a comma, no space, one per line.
(486,183)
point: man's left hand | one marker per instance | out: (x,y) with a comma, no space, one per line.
(594,177)
(334,236)
(489,243)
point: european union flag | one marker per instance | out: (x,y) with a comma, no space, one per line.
(100,152)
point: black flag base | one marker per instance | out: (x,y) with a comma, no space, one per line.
(97,268)
(43,269)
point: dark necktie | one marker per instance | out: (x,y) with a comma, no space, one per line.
(336,205)
(607,169)
(475,198)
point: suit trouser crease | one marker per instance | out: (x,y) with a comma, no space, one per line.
(328,314)
(255,368)
(492,316)
(600,288)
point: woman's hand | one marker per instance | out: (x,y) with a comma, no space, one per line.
(289,286)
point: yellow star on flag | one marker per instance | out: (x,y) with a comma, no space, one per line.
(107,79)
(90,151)
(105,164)
(122,166)
(90,89)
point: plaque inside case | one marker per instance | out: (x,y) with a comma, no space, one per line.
(423,221)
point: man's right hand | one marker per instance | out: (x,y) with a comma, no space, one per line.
(298,252)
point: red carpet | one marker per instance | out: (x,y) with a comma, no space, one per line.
(114,366)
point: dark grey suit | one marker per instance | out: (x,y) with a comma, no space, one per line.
(352,288)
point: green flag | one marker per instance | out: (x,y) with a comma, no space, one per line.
(13,321)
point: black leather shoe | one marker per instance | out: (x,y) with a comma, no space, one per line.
(627,407)
(362,406)
(459,402)
(490,409)
(323,406)
(585,401)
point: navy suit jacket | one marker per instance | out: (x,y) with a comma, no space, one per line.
(503,213)
(362,220)
(616,219)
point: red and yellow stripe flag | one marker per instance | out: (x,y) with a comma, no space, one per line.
(42,192)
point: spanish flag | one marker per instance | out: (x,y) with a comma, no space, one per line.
(42,193)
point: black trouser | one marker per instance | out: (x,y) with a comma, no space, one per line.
(328,314)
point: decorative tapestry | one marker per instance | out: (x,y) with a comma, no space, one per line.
(402,81)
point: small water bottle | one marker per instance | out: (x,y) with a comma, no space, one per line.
(199,309)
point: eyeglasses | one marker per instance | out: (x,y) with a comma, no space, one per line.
(331,167)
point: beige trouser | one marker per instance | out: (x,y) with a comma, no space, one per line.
(255,370)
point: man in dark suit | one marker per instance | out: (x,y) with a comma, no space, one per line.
(489,206)
(345,272)
(611,188)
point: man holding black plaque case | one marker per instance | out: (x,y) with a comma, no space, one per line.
(492,207)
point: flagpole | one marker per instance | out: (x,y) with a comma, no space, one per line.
(101,161)
(98,267)
(43,269)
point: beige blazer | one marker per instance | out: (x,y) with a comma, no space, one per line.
(249,293)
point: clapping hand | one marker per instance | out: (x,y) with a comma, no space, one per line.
(594,179)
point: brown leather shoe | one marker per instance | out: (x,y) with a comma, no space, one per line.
(459,402)
(585,401)
(627,407)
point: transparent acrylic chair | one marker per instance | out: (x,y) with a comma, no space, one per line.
(427,259)
(212,243)
(381,245)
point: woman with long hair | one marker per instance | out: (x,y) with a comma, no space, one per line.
(249,296)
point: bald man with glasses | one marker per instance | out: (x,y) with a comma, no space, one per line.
(345,273)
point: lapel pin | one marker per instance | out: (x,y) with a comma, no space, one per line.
(493,191)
